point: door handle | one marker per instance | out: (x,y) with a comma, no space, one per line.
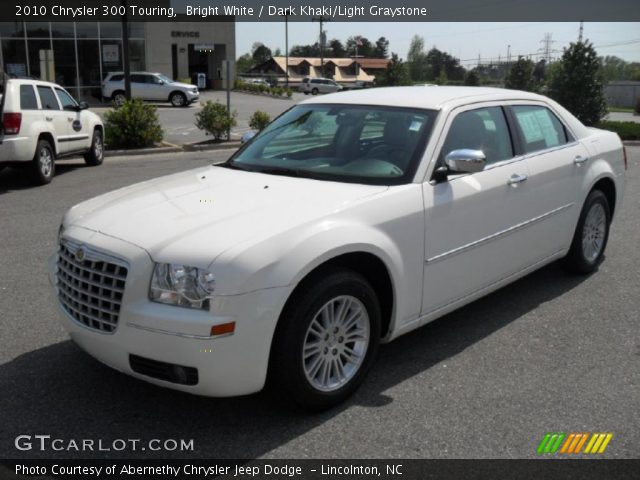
(579,160)
(517,178)
(48,119)
(70,119)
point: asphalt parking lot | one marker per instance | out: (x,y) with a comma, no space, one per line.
(550,353)
(179,126)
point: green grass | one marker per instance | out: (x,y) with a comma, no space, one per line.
(621,109)
(626,130)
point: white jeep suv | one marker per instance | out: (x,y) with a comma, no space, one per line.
(151,87)
(41,122)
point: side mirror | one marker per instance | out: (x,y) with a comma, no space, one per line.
(466,161)
(248,136)
(83,105)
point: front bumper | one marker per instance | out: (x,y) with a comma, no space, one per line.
(227,365)
(193,96)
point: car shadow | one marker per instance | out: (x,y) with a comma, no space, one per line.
(61,391)
(19,178)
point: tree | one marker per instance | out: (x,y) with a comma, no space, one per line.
(540,71)
(244,63)
(520,76)
(472,78)
(260,53)
(336,48)
(442,77)
(304,50)
(395,74)
(381,50)
(277,52)
(365,49)
(577,83)
(416,59)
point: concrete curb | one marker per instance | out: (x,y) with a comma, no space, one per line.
(631,143)
(142,151)
(284,97)
(194,147)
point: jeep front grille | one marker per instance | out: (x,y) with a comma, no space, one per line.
(90,285)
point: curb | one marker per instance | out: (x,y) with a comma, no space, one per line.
(284,97)
(631,143)
(142,151)
(194,147)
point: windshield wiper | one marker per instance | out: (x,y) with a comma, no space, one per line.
(289,172)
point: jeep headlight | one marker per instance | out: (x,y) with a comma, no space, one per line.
(181,285)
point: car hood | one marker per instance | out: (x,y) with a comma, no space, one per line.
(183,85)
(195,216)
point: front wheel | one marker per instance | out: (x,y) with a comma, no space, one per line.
(591,235)
(43,164)
(119,98)
(95,154)
(315,91)
(327,339)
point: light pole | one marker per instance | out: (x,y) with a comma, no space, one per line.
(286,46)
(125,52)
(321,20)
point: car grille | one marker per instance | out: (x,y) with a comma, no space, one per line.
(90,286)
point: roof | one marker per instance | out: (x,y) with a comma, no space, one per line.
(374,62)
(423,97)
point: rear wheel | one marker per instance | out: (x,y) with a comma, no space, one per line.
(119,98)
(44,166)
(95,154)
(178,99)
(314,91)
(327,339)
(591,235)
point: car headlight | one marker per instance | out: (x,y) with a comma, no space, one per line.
(181,285)
(60,232)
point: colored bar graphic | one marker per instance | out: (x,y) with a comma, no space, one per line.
(572,443)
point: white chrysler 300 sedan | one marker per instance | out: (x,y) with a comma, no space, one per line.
(350,220)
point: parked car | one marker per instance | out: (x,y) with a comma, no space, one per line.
(360,84)
(154,87)
(315,86)
(350,220)
(42,122)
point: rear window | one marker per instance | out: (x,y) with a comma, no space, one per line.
(28,98)
(48,98)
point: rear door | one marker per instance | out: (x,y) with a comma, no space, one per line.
(139,87)
(77,135)
(55,118)
(557,163)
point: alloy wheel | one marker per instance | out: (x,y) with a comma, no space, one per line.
(594,232)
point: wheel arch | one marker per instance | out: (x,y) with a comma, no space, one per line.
(48,136)
(607,186)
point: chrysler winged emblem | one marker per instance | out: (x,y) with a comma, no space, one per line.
(80,255)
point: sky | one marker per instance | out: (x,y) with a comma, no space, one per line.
(463,40)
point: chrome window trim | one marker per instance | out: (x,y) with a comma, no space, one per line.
(495,236)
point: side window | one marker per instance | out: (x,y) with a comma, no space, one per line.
(66,100)
(138,78)
(28,98)
(116,78)
(540,128)
(482,129)
(48,99)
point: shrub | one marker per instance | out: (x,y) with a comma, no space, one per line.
(259,120)
(185,80)
(135,124)
(625,130)
(215,119)
(636,108)
(290,93)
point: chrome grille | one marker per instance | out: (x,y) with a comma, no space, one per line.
(90,285)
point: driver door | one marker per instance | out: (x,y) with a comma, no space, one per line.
(474,233)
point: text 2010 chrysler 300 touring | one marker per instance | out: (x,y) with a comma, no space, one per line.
(350,220)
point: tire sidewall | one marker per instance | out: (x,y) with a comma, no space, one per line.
(90,157)
(178,95)
(577,256)
(297,318)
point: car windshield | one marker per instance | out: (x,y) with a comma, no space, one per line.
(349,143)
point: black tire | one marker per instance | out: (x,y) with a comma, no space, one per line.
(580,258)
(178,99)
(118,98)
(95,154)
(314,91)
(44,163)
(287,367)
(306,93)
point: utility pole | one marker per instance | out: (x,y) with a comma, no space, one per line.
(546,47)
(508,55)
(286,46)
(322,21)
(125,52)
(581,31)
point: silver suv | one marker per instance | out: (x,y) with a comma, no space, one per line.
(315,86)
(149,86)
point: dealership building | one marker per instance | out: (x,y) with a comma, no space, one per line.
(78,55)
